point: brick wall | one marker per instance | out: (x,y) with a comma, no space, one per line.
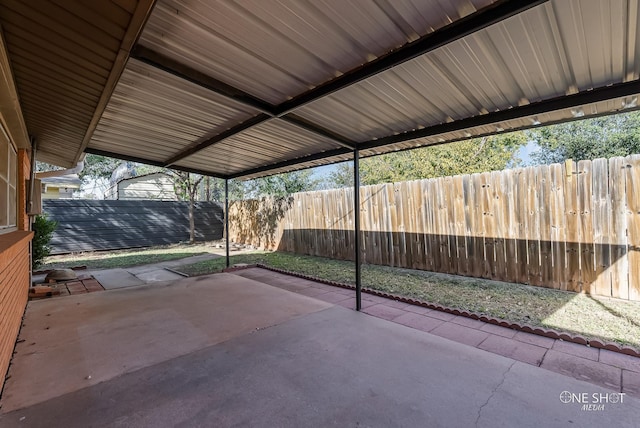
(14,284)
(14,271)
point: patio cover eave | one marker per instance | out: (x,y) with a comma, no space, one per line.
(186,90)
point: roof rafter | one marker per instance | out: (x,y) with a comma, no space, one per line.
(149,162)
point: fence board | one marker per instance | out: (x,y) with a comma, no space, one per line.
(498,209)
(587,268)
(533,227)
(601,221)
(442,225)
(544,200)
(620,263)
(633,224)
(508,180)
(489,226)
(400,198)
(477,226)
(558,228)
(573,227)
(462,267)
(522,218)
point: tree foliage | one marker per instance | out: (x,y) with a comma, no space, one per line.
(601,137)
(462,157)
(43,229)
(96,166)
(281,184)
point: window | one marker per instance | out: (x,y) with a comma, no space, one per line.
(8,178)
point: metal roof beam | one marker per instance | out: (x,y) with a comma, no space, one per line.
(184,72)
(540,107)
(319,130)
(150,162)
(234,130)
(472,23)
(292,162)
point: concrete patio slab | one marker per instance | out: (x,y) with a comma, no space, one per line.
(159,275)
(582,368)
(330,368)
(79,341)
(116,278)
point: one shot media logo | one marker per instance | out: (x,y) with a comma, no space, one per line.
(592,401)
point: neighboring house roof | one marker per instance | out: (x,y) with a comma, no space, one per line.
(149,175)
(71,180)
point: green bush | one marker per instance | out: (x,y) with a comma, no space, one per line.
(43,229)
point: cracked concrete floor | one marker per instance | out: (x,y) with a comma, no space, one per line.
(330,367)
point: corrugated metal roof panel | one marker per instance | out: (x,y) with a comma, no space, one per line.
(269,142)
(277,49)
(616,105)
(520,60)
(157,114)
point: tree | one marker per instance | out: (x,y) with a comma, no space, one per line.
(96,166)
(281,184)
(462,157)
(600,137)
(185,185)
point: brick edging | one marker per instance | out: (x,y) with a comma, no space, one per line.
(546,332)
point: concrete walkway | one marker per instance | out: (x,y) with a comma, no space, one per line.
(145,274)
(599,366)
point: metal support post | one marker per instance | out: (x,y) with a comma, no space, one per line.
(226,217)
(356,224)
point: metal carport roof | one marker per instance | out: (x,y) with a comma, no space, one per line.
(255,87)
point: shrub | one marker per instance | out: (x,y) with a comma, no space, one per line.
(43,229)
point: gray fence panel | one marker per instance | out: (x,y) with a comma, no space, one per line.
(88,225)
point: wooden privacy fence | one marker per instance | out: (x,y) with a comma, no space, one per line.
(572,226)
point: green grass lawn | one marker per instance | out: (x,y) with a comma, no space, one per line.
(124,258)
(593,317)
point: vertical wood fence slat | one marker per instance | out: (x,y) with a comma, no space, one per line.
(601,222)
(533,227)
(573,227)
(633,224)
(488,224)
(558,228)
(477,226)
(619,260)
(521,218)
(544,210)
(587,267)
(498,204)
(460,226)
(509,199)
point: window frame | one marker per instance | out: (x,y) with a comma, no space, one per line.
(9,219)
